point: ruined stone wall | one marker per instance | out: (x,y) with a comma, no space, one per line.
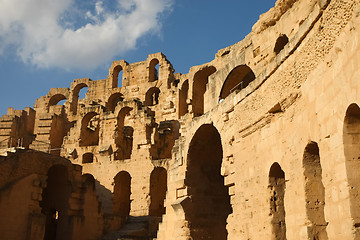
(262,142)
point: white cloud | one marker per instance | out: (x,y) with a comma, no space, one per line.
(43,36)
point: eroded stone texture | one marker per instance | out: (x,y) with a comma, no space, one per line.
(260,143)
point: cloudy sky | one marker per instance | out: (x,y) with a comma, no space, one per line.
(48,43)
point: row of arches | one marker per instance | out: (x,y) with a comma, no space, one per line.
(238,79)
(55,198)
(210,202)
(122,193)
(117,73)
(79,92)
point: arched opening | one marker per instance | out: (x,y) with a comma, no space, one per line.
(280,43)
(158,188)
(152,97)
(57,99)
(239,78)
(210,201)
(164,139)
(82,93)
(314,192)
(201,79)
(277,208)
(154,70)
(113,100)
(124,136)
(88,181)
(79,93)
(88,158)
(90,127)
(183,107)
(55,204)
(122,192)
(351,141)
(117,76)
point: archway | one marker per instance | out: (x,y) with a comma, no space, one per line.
(55,204)
(77,94)
(277,208)
(56,99)
(158,188)
(122,192)
(183,95)
(152,96)
(90,127)
(239,78)
(113,100)
(124,136)
(117,76)
(201,79)
(351,141)
(210,202)
(153,70)
(314,192)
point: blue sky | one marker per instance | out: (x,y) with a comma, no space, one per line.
(47,43)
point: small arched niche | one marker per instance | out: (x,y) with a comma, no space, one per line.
(238,79)
(277,207)
(154,70)
(152,97)
(281,42)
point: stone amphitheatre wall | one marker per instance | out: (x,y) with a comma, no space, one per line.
(260,143)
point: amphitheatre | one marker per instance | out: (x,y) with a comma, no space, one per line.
(262,142)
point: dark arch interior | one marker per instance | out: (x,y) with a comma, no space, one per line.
(280,43)
(55,204)
(88,181)
(351,141)
(152,96)
(90,127)
(239,78)
(122,192)
(113,100)
(277,208)
(154,70)
(158,188)
(183,108)
(210,201)
(314,192)
(201,79)
(124,137)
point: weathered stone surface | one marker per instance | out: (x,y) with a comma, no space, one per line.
(263,142)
